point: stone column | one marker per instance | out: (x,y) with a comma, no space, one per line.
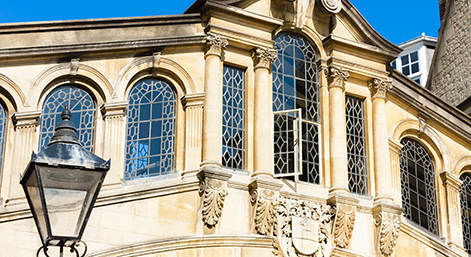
(453,214)
(212,112)
(114,139)
(26,141)
(193,106)
(338,132)
(382,167)
(263,118)
(394,151)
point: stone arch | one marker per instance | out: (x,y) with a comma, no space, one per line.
(176,74)
(13,92)
(312,36)
(64,71)
(414,127)
(462,165)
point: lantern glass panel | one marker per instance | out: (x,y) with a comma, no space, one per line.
(68,194)
(34,196)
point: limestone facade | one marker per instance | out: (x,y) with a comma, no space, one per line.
(202,207)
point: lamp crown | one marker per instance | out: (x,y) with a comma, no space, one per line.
(65,131)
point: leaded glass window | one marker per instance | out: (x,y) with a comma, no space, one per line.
(3,121)
(356,148)
(150,134)
(82,107)
(233,118)
(465,197)
(295,86)
(418,185)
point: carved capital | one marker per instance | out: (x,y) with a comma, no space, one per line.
(379,87)
(213,188)
(112,111)
(193,100)
(337,77)
(388,230)
(215,44)
(26,120)
(263,57)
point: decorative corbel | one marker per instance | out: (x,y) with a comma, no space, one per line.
(379,87)
(156,60)
(215,44)
(74,66)
(263,57)
(387,218)
(336,77)
(213,188)
(265,199)
(345,216)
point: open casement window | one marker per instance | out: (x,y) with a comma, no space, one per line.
(296,109)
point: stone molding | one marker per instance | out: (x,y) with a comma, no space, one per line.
(213,188)
(26,120)
(379,87)
(318,215)
(215,44)
(345,216)
(387,220)
(115,110)
(336,77)
(265,198)
(263,57)
(193,100)
(451,180)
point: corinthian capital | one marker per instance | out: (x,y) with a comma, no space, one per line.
(263,57)
(337,77)
(215,44)
(379,87)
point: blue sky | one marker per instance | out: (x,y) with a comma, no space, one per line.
(397,21)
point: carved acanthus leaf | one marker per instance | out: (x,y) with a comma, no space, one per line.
(337,76)
(215,44)
(344,223)
(265,210)
(379,87)
(214,193)
(390,224)
(263,57)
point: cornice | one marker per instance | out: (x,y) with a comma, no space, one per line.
(355,69)
(239,39)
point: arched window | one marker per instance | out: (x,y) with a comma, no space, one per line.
(465,198)
(296,108)
(419,198)
(150,129)
(3,121)
(82,107)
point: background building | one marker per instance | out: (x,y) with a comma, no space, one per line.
(415,60)
(239,128)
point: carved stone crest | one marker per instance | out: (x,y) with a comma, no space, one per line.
(304,228)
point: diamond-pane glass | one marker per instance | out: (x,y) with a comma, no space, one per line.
(233,118)
(287,134)
(465,197)
(418,185)
(295,86)
(150,135)
(3,120)
(356,151)
(82,107)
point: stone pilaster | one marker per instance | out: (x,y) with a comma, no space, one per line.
(453,206)
(394,151)
(387,220)
(26,140)
(263,117)
(212,112)
(345,216)
(382,166)
(213,190)
(114,138)
(265,196)
(193,106)
(338,133)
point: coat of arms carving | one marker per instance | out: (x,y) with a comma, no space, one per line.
(304,228)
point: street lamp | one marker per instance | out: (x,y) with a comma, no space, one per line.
(61,184)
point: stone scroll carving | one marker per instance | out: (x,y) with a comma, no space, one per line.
(379,87)
(215,44)
(213,188)
(304,229)
(266,202)
(389,225)
(344,224)
(330,6)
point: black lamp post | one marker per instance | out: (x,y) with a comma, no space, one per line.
(61,184)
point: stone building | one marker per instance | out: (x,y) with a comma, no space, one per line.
(239,128)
